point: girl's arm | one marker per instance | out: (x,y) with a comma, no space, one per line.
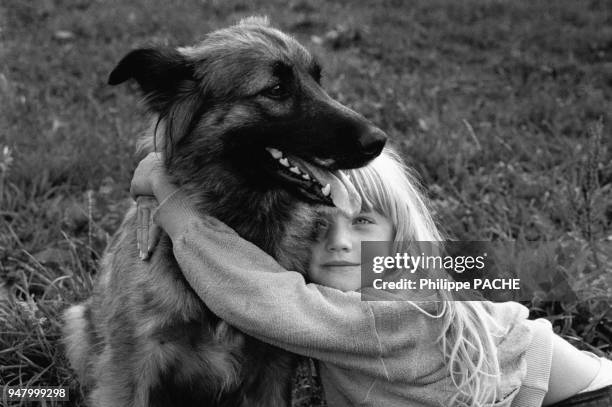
(251,291)
(246,287)
(571,371)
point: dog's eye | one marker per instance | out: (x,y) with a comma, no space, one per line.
(278,92)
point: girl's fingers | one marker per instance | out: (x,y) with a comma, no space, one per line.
(147,231)
(154,234)
(144,237)
(138,223)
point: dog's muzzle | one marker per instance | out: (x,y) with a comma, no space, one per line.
(372,142)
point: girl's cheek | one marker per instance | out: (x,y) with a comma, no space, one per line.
(316,251)
(369,235)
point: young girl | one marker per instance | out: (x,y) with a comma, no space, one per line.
(375,353)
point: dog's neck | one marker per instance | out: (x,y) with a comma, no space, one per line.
(257,214)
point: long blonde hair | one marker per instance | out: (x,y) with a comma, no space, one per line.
(389,187)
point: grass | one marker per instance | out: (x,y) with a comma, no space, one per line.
(502,107)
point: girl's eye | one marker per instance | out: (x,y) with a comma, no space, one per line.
(320,229)
(362,220)
(320,224)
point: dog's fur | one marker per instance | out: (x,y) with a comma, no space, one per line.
(144,338)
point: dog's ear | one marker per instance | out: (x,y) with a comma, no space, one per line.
(160,72)
(167,79)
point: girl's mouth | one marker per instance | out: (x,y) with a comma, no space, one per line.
(340,264)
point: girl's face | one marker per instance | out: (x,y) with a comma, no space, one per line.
(336,256)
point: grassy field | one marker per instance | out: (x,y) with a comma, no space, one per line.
(503,108)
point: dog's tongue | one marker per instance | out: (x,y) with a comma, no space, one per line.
(345,196)
(343,193)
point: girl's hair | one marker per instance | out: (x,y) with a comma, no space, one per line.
(387,186)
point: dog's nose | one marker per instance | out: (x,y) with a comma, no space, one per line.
(372,141)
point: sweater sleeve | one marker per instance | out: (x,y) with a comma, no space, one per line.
(387,340)
(246,287)
(539,358)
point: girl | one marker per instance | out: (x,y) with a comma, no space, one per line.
(375,353)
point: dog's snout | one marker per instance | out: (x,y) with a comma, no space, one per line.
(372,141)
(336,131)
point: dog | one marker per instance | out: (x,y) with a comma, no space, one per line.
(250,135)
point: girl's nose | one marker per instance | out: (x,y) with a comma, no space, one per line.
(338,238)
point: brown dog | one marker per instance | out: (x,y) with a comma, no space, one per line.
(249,133)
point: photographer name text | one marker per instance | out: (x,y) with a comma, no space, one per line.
(448,285)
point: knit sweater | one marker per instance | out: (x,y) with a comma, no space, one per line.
(371,353)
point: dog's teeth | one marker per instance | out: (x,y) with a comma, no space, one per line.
(284,162)
(295,170)
(326,190)
(306,177)
(274,152)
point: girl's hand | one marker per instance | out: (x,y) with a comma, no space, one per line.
(150,185)
(148,175)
